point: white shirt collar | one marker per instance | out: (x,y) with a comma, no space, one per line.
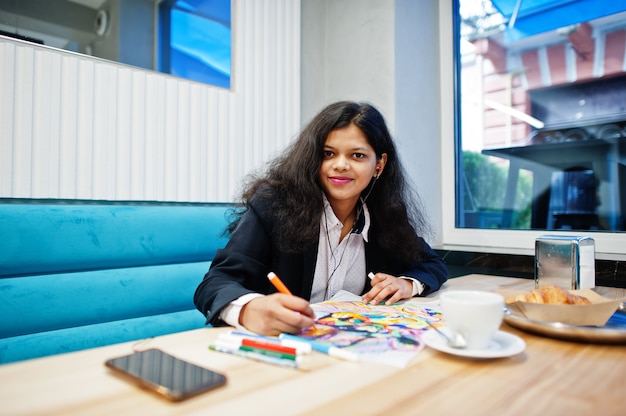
(333,221)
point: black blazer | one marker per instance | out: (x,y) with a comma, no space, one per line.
(251,252)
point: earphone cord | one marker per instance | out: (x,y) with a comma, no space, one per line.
(359,211)
(332,252)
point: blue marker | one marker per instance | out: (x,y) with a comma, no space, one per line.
(324,348)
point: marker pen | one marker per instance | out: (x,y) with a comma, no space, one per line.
(301,347)
(280,286)
(325,348)
(258,343)
(256,356)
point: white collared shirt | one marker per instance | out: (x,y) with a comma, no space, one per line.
(340,265)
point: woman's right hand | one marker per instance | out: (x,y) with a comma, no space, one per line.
(276,314)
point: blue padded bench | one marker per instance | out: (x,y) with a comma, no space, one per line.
(76,274)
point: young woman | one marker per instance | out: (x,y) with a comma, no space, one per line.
(334,208)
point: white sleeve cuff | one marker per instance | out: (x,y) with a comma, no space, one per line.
(418,287)
(230,314)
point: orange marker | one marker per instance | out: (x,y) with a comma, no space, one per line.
(280,286)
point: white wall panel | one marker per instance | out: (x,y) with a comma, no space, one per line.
(74,127)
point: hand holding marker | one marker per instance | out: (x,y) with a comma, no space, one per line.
(280,286)
(317,346)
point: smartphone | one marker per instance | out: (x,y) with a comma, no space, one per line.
(165,375)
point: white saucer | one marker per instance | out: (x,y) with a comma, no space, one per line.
(502,345)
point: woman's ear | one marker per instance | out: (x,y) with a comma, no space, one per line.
(380,165)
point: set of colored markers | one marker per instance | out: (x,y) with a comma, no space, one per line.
(282,352)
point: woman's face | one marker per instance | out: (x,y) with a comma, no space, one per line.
(348,165)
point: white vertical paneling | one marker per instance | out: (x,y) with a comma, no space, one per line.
(170,134)
(196,135)
(45,131)
(155,138)
(219,169)
(104,121)
(137,134)
(85,139)
(74,127)
(110,146)
(182,143)
(23,122)
(123,135)
(68,128)
(7,99)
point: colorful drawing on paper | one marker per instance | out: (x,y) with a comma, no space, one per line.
(377,333)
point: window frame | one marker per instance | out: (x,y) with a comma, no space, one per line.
(608,245)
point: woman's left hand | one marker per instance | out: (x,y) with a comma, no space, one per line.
(391,288)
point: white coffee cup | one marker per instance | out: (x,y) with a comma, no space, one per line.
(475,315)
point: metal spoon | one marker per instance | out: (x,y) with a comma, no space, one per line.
(457,342)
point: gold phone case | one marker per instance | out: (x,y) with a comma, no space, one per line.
(166,375)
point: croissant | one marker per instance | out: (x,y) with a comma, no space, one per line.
(550,294)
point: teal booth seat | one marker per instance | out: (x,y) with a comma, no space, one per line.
(77,274)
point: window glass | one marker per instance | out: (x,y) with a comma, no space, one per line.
(541,98)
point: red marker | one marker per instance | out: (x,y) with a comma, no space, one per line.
(256,343)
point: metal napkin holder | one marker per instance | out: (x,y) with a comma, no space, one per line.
(564,261)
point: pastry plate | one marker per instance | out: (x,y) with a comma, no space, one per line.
(613,332)
(502,345)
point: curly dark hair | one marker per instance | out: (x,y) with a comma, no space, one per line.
(291,180)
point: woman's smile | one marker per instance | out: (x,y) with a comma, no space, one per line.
(340,180)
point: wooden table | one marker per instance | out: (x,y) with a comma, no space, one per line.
(551,377)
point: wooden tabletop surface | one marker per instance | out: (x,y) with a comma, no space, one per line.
(551,377)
